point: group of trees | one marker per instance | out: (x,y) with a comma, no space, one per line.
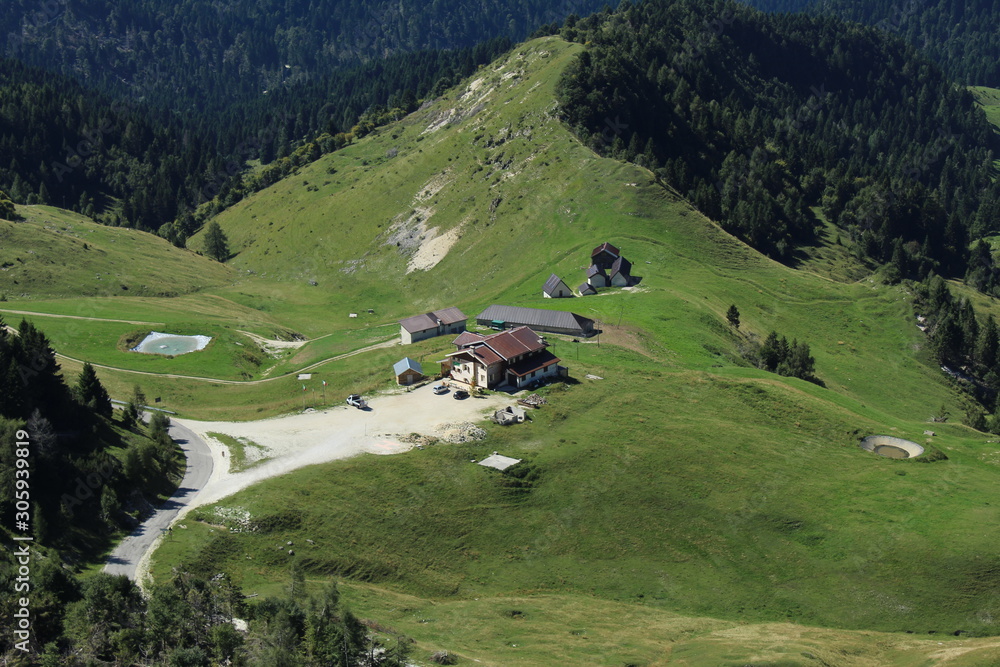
(189,622)
(79,489)
(759,118)
(777,355)
(966,344)
(793,359)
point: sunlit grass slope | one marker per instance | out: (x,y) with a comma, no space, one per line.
(685,481)
(989,99)
(55,253)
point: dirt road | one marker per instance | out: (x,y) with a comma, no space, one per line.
(305,439)
(293,442)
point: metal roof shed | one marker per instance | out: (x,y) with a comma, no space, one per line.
(407,371)
(555,321)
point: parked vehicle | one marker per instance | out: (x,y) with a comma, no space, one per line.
(460,394)
(440,389)
(357,401)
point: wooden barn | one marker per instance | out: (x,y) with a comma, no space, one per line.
(408,371)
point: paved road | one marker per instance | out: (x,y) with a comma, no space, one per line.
(125,558)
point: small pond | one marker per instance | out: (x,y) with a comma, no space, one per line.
(171,344)
(890,447)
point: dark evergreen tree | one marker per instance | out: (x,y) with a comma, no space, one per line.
(92,393)
(216,243)
(733,316)
(7,210)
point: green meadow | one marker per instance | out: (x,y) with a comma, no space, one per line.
(57,253)
(687,507)
(989,100)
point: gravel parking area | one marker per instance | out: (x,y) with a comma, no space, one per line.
(316,437)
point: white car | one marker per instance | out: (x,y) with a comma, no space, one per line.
(357,401)
(440,389)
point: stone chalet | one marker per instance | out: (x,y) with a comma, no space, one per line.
(511,359)
(604,255)
(438,323)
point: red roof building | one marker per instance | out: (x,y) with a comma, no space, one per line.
(604,255)
(513,358)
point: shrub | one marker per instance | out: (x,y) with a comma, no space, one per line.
(443,658)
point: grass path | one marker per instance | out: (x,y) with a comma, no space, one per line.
(384,344)
(388,343)
(78,317)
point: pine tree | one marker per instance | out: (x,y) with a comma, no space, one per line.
(92,393)
(898,268)
(733,315)
(297,581)
(987,344)
(216,243)
(7,210)
(770,353)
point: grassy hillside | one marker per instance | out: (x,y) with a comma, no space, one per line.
(989,99)
(685,481)
(521,198)
(57,253)
(334,224)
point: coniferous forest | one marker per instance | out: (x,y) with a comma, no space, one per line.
(147,113)
(199,55)
(767,121)
(124,162)
(960,36)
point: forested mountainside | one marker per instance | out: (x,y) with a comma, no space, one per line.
(963,36)
(92,469)
(960,35)
(64,145)
(779,5)
(200,54)
(203,87)
(122,162)
(757,118)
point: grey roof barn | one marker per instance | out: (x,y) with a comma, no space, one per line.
(555,321)
(555,288)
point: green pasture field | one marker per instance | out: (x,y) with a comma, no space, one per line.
(687,506)
(989,100)
(635,490)
(55,253)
